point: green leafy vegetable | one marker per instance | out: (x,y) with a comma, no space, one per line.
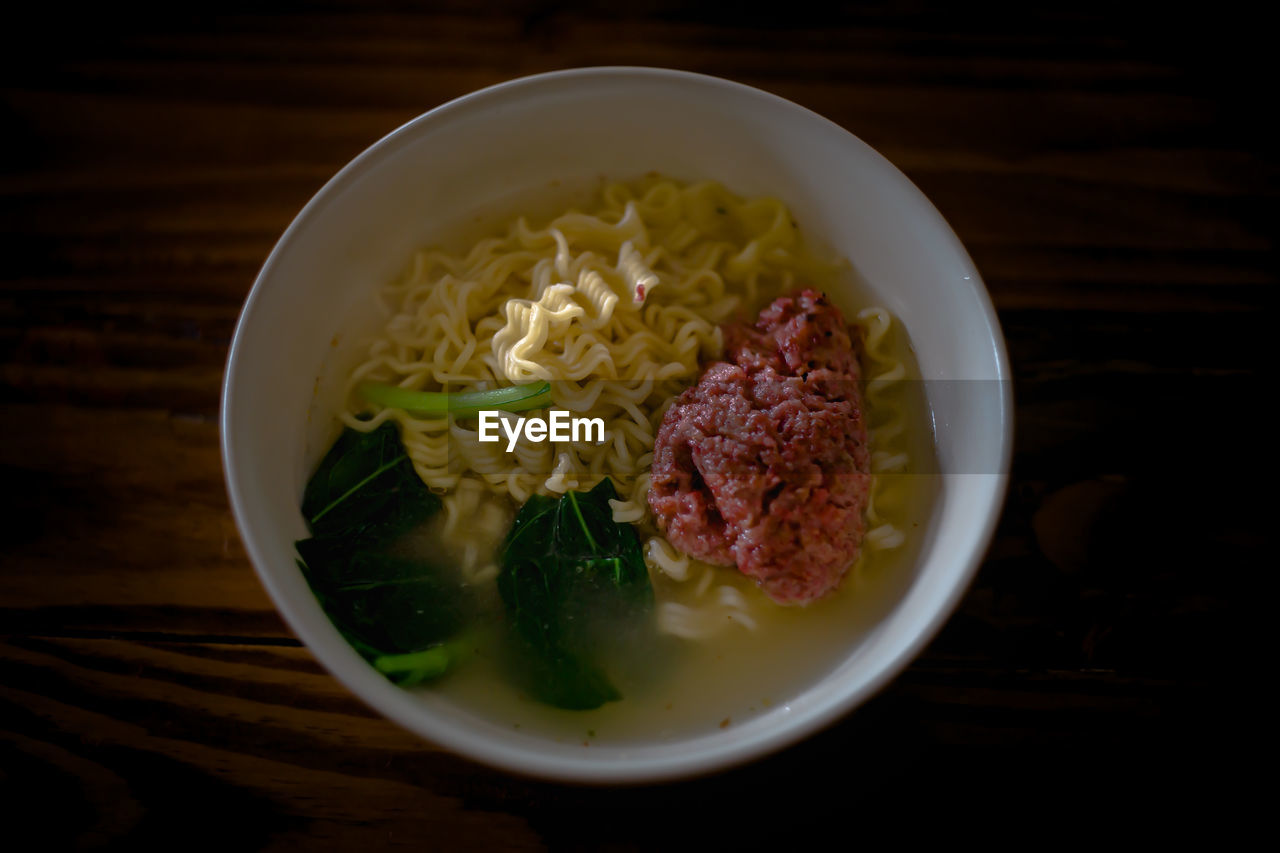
(365,491)
(397,611)
(571,578)
(383,603)
(515,398)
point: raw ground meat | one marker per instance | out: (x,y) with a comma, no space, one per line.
(764,463)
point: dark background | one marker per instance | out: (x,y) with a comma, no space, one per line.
(1110,167)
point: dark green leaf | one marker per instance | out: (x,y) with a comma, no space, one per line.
(363,497)
(365,491)
(570,577)
(557,676)
(393,605)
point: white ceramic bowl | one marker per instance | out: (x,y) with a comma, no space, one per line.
(364,224)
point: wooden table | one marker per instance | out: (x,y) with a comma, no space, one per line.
(1108,169)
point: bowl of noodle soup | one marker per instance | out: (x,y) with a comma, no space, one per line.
(589,236)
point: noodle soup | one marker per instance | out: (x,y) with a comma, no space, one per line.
(607,311)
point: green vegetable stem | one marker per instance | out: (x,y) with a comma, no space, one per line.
(515,398)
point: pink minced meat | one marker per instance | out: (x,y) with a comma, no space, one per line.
(764,463)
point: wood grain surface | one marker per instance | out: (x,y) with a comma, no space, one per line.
(1112,171)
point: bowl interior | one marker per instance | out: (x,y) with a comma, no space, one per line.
(485,152)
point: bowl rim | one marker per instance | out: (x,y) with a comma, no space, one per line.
(626,771)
